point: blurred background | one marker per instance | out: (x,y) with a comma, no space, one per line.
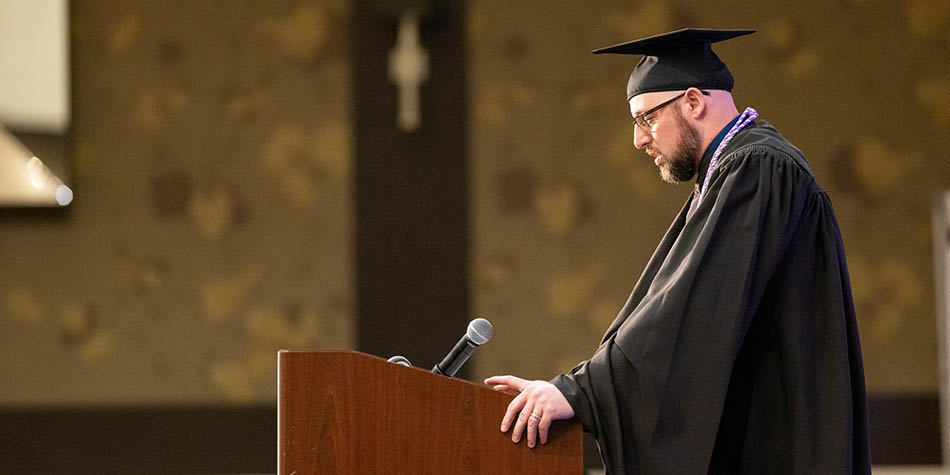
(241,186)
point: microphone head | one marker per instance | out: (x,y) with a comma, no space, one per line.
(479,331)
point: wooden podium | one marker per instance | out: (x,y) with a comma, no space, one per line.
(345,412)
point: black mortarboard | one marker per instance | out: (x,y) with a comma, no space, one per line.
(677,60)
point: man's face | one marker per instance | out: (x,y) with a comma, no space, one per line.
(671,140)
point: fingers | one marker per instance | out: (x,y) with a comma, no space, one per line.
(511,382)
(544,425)
(513,408)
(534,397)
(532,428)
(522,422)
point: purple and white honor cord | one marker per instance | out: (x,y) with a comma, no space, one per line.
(747,116)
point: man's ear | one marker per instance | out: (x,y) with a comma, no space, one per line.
(695,102)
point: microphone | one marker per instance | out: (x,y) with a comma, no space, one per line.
(479,331)
(400,360)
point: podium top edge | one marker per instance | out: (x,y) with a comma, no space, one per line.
(293,354)
(284,350)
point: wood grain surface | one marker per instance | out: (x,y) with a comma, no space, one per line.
(352,413)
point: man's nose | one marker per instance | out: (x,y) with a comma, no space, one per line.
(641,138)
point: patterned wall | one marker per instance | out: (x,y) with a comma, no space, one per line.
(212,219)
(567,212)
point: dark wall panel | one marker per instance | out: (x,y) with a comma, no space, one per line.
(139,440)
(411,190)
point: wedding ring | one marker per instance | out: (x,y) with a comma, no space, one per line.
(535,416)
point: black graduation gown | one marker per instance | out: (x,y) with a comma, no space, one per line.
(737,351)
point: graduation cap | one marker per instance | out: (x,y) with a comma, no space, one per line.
(677,60)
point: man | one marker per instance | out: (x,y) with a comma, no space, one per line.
(737,351)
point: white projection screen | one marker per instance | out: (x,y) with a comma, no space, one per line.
(34,65)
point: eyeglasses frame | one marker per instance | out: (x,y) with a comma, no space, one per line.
(641,118)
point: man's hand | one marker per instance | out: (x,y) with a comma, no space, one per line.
(538,404)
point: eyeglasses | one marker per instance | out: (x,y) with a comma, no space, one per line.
(641,118)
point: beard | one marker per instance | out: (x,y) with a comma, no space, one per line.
(681,164)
